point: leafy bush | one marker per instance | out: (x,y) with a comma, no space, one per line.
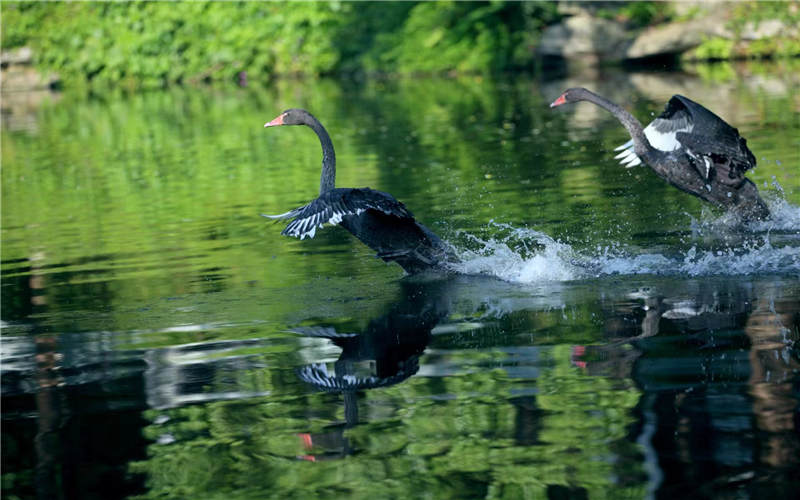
(637,14)
(715,48)
(755,12)
(463,36)
(153,44)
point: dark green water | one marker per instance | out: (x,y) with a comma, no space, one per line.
(162,340)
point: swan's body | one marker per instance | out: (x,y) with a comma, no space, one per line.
(689,146)
(374,217)
(707,140)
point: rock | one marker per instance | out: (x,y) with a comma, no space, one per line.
(21,55)
(675,38)
(19,75)
(20,110)
(768,28)
(692,9)
(20,78)
(585,38)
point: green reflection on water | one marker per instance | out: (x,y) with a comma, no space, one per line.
(141,213)
(456,437)
(158,194)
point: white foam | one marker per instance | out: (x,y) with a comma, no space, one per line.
(496,257)
(785,216)
(522,255)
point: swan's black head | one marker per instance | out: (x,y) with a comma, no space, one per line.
(571,95)
(294,116)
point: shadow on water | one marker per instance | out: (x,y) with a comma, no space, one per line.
(160,340)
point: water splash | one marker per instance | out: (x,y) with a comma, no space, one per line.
(785,217)
(523,255)
(518,255)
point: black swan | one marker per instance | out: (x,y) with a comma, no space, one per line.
(691,148)
(374,217)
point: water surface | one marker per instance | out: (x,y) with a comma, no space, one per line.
(616,338)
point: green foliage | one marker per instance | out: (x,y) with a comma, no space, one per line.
(152,44)
(638,14)
(774,47)
(714,48)
(463,37)
(751,14)
(413,442)
(756,12)
(723,49)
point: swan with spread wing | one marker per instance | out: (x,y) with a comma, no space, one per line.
(374,217)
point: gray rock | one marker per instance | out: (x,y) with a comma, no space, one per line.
(21,55)
(22,78)
(585,38)
(675,38)
(18,74)
(768,28)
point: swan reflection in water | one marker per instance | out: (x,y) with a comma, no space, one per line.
(385,353)
(711,365)
(713,360)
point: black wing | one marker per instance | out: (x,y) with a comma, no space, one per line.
(335,204)
(713,139)
(730,160)
(676,117)
(661,132)
(705,122)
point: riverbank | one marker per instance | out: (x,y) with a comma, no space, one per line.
(676,32)
(153,45)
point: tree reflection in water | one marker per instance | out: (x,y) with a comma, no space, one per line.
(719,372)
(463,387)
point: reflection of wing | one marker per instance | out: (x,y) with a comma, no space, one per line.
(318,376)
(325,332)
(335,204)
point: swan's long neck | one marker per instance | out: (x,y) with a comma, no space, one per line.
(328,178)
(641,146)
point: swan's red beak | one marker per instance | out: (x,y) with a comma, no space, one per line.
(558,102)
(275,122)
